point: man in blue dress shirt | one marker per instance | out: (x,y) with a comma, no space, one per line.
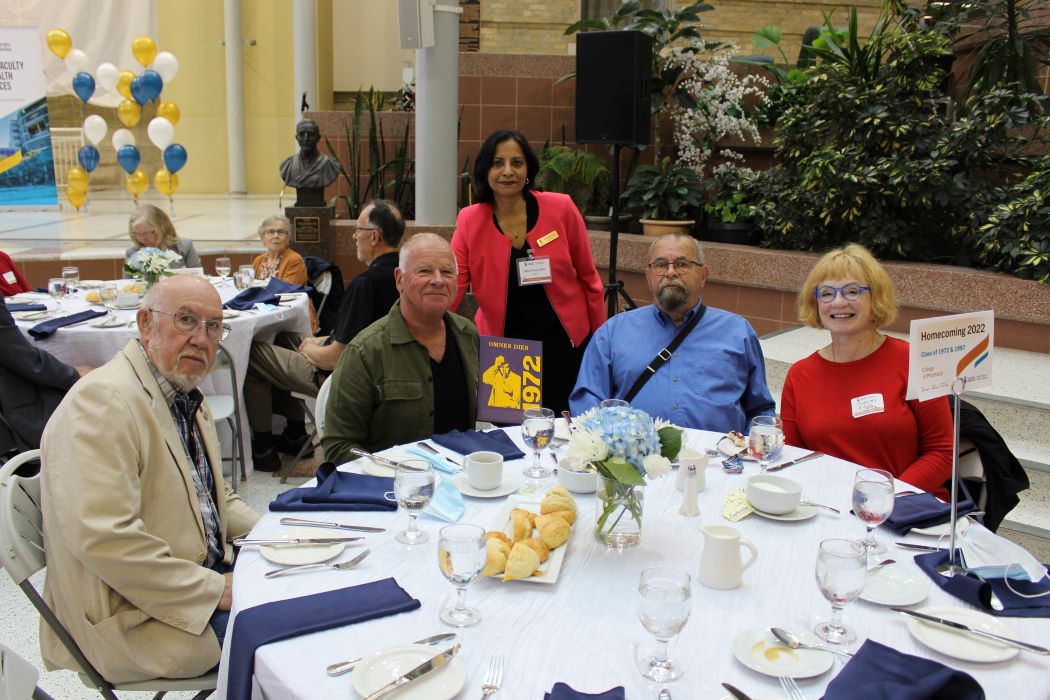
(715,380)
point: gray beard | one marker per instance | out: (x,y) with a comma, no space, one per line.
(672,297)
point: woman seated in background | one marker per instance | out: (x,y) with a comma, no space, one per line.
(527,258)
(279,260)
(847,399)
(150,227)
(11,280)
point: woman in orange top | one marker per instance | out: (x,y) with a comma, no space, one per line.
(279,260)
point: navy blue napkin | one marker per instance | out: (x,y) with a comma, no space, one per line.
(979,593)
(878,672)
(467,441)
(284,619)
(922,510)
(561,691)
(14,308)
(48,328)
(338,490)
(263,295)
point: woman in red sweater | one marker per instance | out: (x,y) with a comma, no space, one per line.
(527,257)
(847,399)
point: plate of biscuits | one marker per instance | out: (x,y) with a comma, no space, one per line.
(529,537)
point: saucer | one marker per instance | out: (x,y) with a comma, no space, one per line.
(895,584)
(760,651)
(942,530)
(108,322)
(803,512)
(125,307)
(508,486)
(962,645)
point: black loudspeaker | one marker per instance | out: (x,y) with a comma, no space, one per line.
(613,79)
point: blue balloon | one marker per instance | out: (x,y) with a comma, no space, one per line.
(84,86)
(151,84)
(137,92)
(129,158)
(174,157)
(88,157)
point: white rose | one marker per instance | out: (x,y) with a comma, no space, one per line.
(587,446)
(656,466)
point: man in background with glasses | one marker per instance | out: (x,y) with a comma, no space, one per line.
(714,380)
(137,517)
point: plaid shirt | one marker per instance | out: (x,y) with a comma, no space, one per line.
(183,408)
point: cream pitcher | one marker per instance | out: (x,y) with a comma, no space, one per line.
(720,565)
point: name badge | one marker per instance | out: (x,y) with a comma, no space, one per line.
(9,277)
(544,240)
(534,271)
(868,404)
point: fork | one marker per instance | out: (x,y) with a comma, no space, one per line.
(493,677)
(791,688)
(302,567)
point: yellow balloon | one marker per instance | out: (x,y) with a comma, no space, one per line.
(165,182)
(144,50)
(129,113)
(76,197)
(170,111)
(77,179)
(137,182)
(60,43)
(124,79)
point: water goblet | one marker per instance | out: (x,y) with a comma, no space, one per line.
(461,557)
(107,294)
(765,441)
(241,280)
(663,608)
(249,272)
(72,277)
(872,503)
(841,571)
(413,488)
(56,287)
(537,429)
(222,268)
(614,403)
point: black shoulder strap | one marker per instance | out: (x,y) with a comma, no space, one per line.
(665,354)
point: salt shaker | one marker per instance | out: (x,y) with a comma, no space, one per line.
(689,507)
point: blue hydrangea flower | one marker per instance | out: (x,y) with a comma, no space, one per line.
(629,433)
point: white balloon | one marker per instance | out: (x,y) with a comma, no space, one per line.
(107,75)
(167,65)
(77,61)
(123,137)
(95,129)
(161,132)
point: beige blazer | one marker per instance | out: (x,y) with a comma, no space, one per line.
(123,531)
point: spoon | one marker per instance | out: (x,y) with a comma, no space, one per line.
(794,643)
(884,562)
(836,511)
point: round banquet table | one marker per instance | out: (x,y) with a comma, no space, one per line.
(583,629)
(86,345)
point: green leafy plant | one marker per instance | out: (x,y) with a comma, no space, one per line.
(666,191)
(580,174)
(729,201)
(1014,235)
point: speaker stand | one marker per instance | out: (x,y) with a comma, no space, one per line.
(614,288)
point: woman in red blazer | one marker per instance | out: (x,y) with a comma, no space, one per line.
(527,257)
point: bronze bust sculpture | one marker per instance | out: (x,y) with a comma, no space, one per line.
(309,171)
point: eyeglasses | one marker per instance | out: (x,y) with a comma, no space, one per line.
(275,232)
(660,267)
(850,292)
(187,324)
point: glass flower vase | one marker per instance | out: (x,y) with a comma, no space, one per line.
(619,513)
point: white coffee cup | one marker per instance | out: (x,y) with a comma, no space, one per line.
(484,470)
(687,458)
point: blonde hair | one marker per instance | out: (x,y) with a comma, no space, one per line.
(852,262)
(156,218)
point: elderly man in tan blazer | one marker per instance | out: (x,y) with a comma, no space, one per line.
(137,516)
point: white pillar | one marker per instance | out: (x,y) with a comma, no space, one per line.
(437,101)
(304,47)
(231,11)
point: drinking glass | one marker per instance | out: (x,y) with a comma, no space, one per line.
(872,503)
(842,568)
(107,294)
(461,557)
(413,489)
(614,403)
(241,280)
(72,277)
(663,608)
(222,269)
(249,272)
(537,428)
(56,287)
(765,441)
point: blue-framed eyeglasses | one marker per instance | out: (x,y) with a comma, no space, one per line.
(849,292)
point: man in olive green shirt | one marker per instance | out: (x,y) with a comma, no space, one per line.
(412,373)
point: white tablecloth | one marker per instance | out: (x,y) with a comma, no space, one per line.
(584,629)
(86,345)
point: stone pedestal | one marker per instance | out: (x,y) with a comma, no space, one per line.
(311,230)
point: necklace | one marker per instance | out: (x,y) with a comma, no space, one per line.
(876,340)
(514,226)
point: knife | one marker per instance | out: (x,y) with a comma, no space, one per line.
(416,673)
(920,547)
(1025,646)
(790,462)
(244,541)
(736,692)
(321,523)
(357,452)
(344,666)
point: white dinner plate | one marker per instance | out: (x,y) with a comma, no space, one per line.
(963,645)
(32,315)
(760,651)
(378,669)
(293,555)
(896,584)
(230,313)
(376,469)
(90,284)
(942,530)
(803,512)
(508,486)
(108,322)
(549,569)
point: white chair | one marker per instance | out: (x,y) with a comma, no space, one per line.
(322,284)
(18,677)
(22,554)
(227,407)
(316,417)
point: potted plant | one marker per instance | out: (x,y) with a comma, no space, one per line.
(667,197)
(580,174)
(728,211)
